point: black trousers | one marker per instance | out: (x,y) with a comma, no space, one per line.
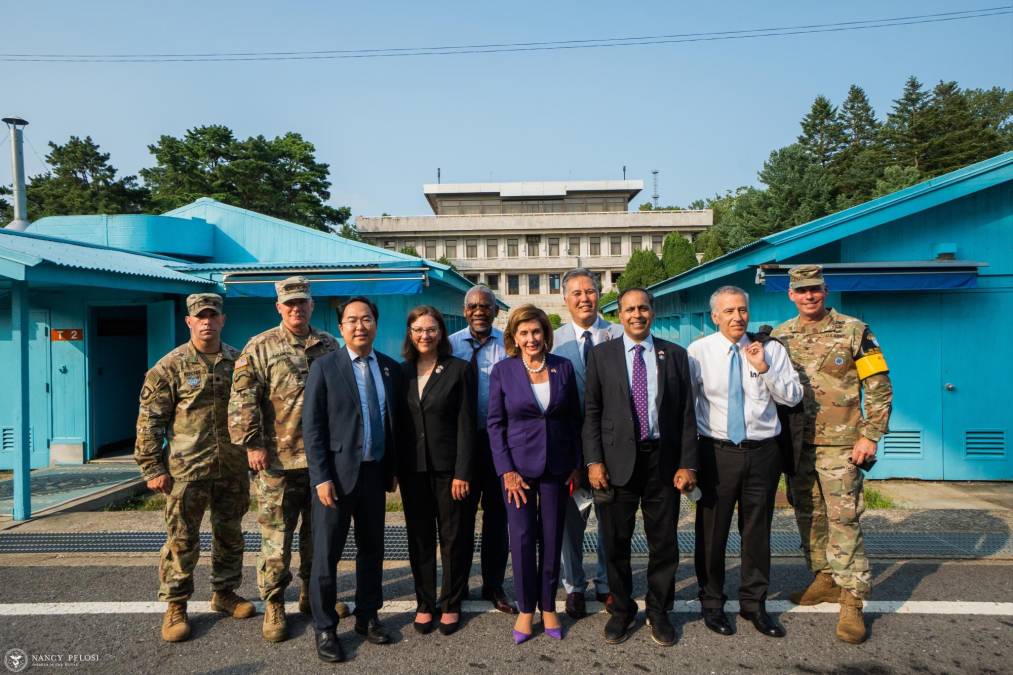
(730,475)
(431,511)
(366,505)
(658,500)
(486,489)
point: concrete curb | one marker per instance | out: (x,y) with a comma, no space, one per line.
(89,502)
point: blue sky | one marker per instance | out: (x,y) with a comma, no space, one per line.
(705,114)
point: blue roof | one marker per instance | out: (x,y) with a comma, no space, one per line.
(808,236)
(29,250)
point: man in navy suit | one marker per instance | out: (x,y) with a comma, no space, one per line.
(574,341)
(640,450)
(354,400)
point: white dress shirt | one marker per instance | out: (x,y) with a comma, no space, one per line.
(709,361)
(652,379)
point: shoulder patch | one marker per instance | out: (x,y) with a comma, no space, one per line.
(243,361)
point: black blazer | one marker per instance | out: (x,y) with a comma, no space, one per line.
(332,419)
(609,432)
(439,431)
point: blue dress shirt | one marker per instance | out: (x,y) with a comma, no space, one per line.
(360,382)
(491,353)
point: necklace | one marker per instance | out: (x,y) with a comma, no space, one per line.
(534,370)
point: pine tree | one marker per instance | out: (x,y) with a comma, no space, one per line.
(858,119)
(822,132)
(862,160)
(905,132)
(957,138)
(677,255)
(642,270)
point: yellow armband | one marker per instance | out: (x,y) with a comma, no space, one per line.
(871,364)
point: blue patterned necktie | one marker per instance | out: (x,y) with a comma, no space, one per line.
(639,393)
(736,400)
(587,345)
(375,451)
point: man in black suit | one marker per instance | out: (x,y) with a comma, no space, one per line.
(640,448)
(353,402)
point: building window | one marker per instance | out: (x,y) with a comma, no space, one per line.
(657,241)
(615,245)
(513,284)
(492,248)
(471,248)
(595,246)
(431,249)
(511,248)
(615,276)
(636,242)
(473,278)
(534,284)
(492,280)
(451,248)
(533,244)
(553,283)
(573,247)
(554,247)
(390,245)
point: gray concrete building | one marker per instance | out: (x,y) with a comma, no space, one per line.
(519,238)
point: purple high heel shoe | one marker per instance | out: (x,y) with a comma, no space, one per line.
(555,633)
(520,637)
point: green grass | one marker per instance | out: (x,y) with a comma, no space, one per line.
(874,499)
(149,501)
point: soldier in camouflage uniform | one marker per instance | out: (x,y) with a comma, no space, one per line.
(839,363)
(184,401)
(265,417)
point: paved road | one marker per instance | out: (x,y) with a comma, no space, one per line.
(945,640)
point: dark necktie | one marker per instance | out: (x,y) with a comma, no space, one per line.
(639,393)
(587,345)
(375,451)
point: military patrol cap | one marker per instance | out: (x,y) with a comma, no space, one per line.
(200,301)
(804,276)
(293,288)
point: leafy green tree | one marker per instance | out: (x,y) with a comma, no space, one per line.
(81,181)
(409,250)
(822,134)
(279,177)
(444,260)
(643,269)
(995,107)
(677,255)
(858,119)
(349,231)
(906,132)
(958,138)
(711,249)
(6,210)
(799,189)
(896,178)
(555,321)
(864,156)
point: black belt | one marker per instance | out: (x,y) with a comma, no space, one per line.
(648,446)
(744,445)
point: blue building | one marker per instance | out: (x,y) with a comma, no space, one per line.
(89,303)
(930,269)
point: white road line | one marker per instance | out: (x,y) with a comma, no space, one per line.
(474,607)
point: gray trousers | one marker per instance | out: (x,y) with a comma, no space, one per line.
(578,510)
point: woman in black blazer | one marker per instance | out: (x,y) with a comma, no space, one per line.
(434,467)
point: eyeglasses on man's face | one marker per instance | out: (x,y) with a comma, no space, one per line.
(475,306)
(364,321)
(431,331)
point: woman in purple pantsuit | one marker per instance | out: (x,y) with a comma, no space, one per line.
(534,432)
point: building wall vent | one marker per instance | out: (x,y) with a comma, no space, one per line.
(903,444)
(984,444)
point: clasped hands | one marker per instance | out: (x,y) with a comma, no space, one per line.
(684,480)
(514,485)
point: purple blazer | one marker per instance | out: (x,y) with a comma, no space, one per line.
(521,436)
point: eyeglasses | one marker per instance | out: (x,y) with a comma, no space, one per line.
(364,321)
(472,306)
(429,332)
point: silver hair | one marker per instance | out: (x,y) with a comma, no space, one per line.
(730,290)
(480,288)
(579,272)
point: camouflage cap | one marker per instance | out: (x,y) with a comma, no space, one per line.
(804,276)
(293,288)
(200,301)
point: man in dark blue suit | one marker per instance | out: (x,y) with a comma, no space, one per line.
(352,405)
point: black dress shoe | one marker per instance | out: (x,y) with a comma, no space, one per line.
(763,623)
(576,607)
(717,621)
(618,628)
(662,630)
(328,646)
(448,628)
(607,600)
(424,628)
(373,631)
(499,600)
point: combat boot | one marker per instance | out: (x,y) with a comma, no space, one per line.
(304,604)
(275,628)
(175,624)
(822,589)
(851,625)
(230,603)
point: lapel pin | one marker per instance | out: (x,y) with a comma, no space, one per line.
(439,369)
(386,371)
(552,370)
(661,355)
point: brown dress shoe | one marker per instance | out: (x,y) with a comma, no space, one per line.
(851,624)
(822,589)
(275,628)
(304,604)
(229,602)
(175,624)
(607,600)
